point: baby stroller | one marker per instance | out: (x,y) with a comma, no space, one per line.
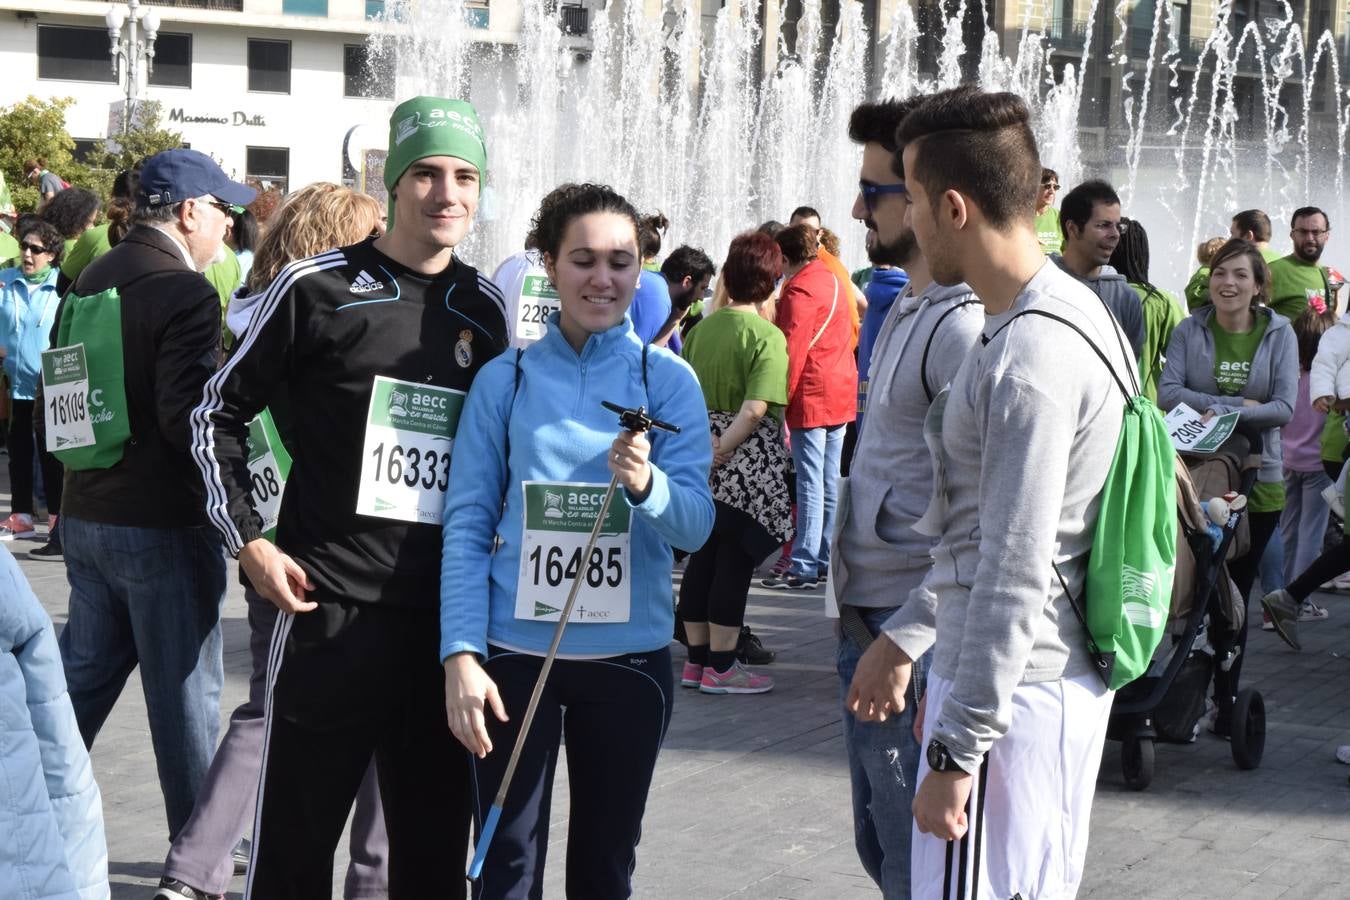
(1203,627)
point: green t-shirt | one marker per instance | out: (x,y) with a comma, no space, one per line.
(1293,283)
(1334,440)
(88,247)
(1047,230)
(9,247)
(1162,314)
(739,356)
(1269,255)
(1197,289)
(1233,355)
(225,276)
(862,277)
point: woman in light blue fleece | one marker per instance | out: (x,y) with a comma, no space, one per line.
(1238,355)
(535,451)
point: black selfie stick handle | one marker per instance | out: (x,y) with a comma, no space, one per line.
(637,419)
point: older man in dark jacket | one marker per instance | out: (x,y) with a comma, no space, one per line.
(147,574)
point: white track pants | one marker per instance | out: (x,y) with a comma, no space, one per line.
(1030,804)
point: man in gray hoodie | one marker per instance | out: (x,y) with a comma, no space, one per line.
(1014,716)
(879,557)
(1090,218)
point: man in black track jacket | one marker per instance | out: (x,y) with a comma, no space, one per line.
(376,345)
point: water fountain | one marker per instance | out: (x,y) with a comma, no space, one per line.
(676,115)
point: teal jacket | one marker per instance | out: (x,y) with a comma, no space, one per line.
(27,313)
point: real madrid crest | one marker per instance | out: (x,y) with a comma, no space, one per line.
(464,349)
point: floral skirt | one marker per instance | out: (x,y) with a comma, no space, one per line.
(753,482)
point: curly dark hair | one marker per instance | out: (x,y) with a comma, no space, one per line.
(30,225)
(572,201)
(72,210)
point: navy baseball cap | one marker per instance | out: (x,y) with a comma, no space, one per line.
(177,175)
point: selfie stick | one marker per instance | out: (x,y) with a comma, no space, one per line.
(632,420)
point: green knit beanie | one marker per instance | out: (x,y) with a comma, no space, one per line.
(432,126)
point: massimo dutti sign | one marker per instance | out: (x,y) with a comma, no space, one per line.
(236,118)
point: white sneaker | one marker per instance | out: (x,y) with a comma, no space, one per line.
(1335,499)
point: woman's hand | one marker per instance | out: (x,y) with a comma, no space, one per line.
(1207,415)
(468,693)
(1323,404)
(628,460)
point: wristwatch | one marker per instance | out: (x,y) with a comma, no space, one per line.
(940,758)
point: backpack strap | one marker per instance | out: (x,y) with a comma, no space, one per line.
(506,438)
(834,302)
(1063,321)
(928,345)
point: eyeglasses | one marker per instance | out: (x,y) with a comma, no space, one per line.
(1052,185)
(870,192)
(226,208)
(1310,232)
(34,249)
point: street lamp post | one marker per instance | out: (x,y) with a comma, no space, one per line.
(127,52)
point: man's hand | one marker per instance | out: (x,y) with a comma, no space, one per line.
(878,687)
(276,576)
(468,692)
(940,805)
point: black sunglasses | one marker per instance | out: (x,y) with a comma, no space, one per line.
(224,207)
(34,249)
(1053,185)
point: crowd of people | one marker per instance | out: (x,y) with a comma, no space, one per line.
(406,457)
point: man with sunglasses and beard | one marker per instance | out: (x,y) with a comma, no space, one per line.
(925,332)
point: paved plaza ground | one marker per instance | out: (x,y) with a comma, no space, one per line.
(751,795)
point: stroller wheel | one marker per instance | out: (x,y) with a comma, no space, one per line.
(1248,729)
(1136,762)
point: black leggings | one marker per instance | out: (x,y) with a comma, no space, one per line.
(21,462)
(1243,572)
(613,714)
(1333,561)
(716,582)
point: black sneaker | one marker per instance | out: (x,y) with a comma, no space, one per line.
(50,551)
(241,854)
(789,583)
(750,651)
(173,889)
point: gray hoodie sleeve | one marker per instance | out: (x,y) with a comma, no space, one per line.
(1279,409)
(1030,434)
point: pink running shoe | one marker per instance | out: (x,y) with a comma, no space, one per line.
(692,675)
(18,525)
(736,680)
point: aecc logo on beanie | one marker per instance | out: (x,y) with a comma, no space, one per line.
(437,118)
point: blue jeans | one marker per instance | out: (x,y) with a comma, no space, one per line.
(815,455)
(149,597)
(883,763)
(1304,521)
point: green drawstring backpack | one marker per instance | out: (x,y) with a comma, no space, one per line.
(84,397)
(1128,592)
